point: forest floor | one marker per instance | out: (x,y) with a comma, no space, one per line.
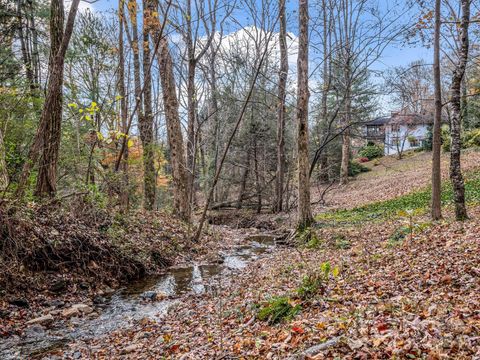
(375,278)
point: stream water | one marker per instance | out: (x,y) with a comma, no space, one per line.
(132,303)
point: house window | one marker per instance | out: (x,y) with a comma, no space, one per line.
(415,142)
(374,130)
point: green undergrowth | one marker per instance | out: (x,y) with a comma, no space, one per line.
(419,201)
(278,309)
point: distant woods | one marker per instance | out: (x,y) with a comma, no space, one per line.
(195,105)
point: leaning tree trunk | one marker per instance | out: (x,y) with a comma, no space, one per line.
(304,210)
(282,92)
(51,118)
(456,116)
(436,141)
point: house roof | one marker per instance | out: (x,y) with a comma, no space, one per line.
(411,119)
(379,121)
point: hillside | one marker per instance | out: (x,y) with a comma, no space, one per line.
(381,287)
(390,178)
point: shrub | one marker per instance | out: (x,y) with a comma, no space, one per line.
(317,281)
(471,138)
(342,243)
(356,168)
(311,285)
(371,151)
(278,309)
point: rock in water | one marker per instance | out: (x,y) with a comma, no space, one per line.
(150,295)
(83,308)
(70,312)
(42,320)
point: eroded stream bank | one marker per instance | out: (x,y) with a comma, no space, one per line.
(151,298)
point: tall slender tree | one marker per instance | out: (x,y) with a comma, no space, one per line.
(456,114)
(172,116)
(146,122)
(436,140)
(282,92)
(304,209)
(51,119)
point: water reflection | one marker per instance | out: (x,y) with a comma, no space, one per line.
(129,304)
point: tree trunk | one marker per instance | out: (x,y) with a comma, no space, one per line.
(125,199)
(146,122)
(282,92)
(174,129)
(243,185)
(436,140)
(456,116)
(304,210)
(52,110)
(346,131)
(3,165)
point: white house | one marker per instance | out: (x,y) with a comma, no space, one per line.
(400,132)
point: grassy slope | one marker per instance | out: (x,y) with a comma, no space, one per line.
(418,201)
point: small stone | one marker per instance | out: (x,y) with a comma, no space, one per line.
(108,291)
(129,349)
(98,299)
(56,303)
(35,330)
(58,286)
(93,315)
(42,320)
(20,302)
(54,232)
(83,308)
(149,295)
(70,312)
(84,286)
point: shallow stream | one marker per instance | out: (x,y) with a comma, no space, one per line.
(135,301)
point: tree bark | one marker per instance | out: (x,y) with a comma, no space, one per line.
(304,210)
(174,129)
(52,111)
(282,93)
(146,122)
(3,165)
(125,199)
(436,141)
(243,184)
(456,116)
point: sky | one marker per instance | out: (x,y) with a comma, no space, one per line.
(395,54)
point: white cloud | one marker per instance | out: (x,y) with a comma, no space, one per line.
(83,6)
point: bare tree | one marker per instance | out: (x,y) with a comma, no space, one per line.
(146,121)
(174,129)
(456,114)
(282,93)
(436,141)
(52,110)
(305,217)
(123,96)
